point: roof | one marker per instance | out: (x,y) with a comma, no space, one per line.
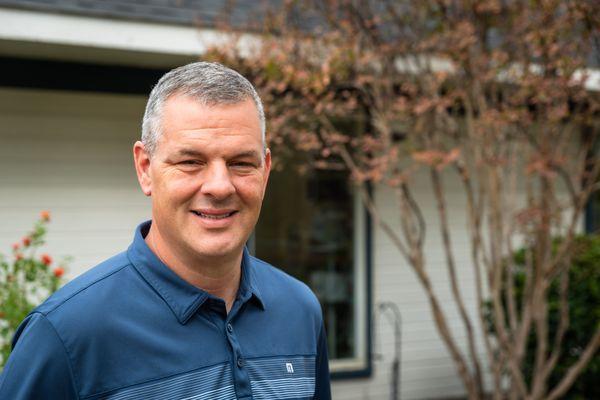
(181,12)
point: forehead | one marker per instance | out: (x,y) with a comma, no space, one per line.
(184,118)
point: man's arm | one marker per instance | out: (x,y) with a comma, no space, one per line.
(322,386)
(39,366)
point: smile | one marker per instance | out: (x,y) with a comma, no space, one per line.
(214,216)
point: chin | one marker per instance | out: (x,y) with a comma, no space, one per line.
(217,250)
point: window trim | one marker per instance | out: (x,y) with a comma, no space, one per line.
(361,365)
(591,213)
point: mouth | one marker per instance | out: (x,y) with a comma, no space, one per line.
(214,215)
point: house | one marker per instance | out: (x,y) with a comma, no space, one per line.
(74,81)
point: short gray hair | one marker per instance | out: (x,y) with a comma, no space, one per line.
(207,82)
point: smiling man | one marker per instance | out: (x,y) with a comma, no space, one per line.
(185,312)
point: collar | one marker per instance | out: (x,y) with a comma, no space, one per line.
(183,298)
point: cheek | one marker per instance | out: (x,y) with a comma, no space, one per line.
(250,189)
(175,189)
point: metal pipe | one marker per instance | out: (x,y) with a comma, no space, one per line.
(396,320)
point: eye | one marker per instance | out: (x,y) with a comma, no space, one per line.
(243,164)
(189,165)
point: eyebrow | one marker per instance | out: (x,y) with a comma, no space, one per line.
(195,153)
(189,153)
(250,154)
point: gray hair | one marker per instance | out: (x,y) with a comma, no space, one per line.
(208,83)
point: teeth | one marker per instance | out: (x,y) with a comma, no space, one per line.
(222,216)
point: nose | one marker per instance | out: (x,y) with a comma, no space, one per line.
(217,181)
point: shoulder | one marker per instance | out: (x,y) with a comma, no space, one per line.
(281,288)
(85,307)
(86,285)
(90,309)
(26,374)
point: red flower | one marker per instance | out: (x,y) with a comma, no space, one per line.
(18,256)
(26,241)
(15,246)
(58,272)
(45,216)
(46,259)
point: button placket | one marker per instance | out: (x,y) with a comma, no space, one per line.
(240,374)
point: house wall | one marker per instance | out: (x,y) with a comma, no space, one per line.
(427,370)
(70,153)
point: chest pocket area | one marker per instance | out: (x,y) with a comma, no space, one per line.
(282,377)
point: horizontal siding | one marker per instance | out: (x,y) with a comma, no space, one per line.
(427,370)
(70,153)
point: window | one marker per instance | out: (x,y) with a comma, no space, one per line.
(592,214)
(313,226)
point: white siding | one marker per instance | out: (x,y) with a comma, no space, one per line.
(70,153)
(427,371)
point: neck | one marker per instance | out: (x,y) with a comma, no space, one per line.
(219,277)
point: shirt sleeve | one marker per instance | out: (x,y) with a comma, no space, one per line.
(322,385)
(39,366)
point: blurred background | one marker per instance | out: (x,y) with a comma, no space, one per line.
(74,78)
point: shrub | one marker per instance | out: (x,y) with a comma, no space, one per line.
(584,316)
(26,279)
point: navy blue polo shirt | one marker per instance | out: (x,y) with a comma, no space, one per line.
(130,328)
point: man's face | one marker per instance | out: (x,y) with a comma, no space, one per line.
(207,177)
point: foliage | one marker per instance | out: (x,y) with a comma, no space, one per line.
(26,279)
(583,310)
(489,94)
(584,316)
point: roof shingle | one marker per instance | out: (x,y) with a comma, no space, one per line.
(181,12)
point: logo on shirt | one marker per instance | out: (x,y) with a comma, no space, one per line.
(289,367)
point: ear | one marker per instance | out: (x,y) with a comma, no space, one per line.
(267,171)
(141,160)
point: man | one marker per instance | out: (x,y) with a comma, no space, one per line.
(185,312)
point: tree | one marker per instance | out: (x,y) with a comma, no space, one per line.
(492,91)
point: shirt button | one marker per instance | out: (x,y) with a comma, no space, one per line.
(229,328)
(240,362)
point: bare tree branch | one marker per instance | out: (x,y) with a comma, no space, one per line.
(456,292)
(576,368)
